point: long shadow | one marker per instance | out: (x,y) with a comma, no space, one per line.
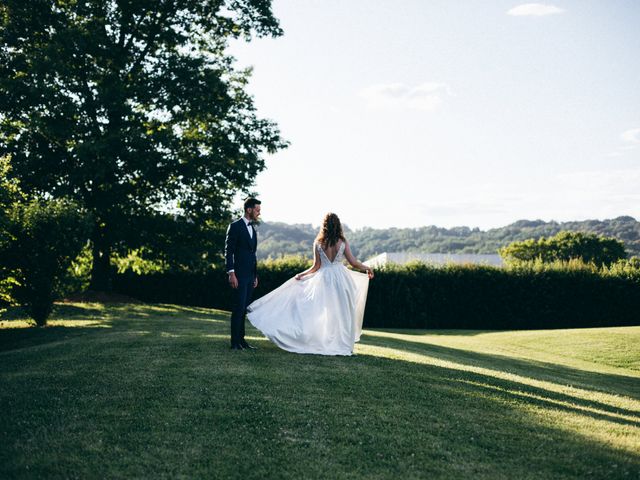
(557,374)
(510,393)
(151,319)
(603,382)
(194,322)
(352,377)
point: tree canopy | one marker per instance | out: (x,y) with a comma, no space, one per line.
(132,108)
(564,246)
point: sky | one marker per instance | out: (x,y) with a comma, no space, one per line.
(407,113)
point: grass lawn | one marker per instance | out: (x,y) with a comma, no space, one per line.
(118,391)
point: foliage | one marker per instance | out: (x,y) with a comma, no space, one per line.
(10,194)
(564,246)
(136,262)
(285,265)
(278,239)
(171,242)
(132,109)
(206,288)
(629,268)
(45,237)
(527,295)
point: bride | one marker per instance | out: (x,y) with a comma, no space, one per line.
(321,309)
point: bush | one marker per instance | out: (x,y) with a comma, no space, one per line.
(44,237)
(530,295)
(627,268)
(209,289)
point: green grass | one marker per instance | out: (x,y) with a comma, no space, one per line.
(125,391)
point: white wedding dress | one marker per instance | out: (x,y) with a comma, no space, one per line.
(321,314)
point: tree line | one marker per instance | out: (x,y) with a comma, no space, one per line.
(281,239)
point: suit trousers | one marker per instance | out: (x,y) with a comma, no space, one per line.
(242,298)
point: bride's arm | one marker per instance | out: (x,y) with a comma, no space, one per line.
(353,261)
(314,267)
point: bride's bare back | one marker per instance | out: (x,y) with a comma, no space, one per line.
(331,252)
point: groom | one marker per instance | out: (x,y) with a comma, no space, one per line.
(240,253)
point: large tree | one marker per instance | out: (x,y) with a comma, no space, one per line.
(131,107)
(565,246)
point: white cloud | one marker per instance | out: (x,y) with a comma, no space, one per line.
(535,10)
(427,96)
(631,136)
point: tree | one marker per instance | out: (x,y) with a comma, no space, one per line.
(132,108)
(588,247)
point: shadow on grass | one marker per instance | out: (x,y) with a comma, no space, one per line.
(603,382)
(511,401)
(365,415)
(559,375)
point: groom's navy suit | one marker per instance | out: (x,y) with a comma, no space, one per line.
(240,254)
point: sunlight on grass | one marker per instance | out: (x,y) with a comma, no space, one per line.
(89,314)
(55,323)
(17,324)
(589,349)
(159,393)
(614,401)
(78,323)
(611,419)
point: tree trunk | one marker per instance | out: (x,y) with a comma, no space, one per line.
(101,266)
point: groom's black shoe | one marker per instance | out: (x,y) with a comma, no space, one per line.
(246,346)
(236,346)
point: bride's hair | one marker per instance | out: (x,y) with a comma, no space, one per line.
(331,231)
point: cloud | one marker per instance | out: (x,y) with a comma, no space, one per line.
(631,136)
(631,139)
(427,96)
(534,10)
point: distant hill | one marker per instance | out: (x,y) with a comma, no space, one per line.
(280,239)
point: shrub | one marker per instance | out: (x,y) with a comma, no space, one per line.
(44,238)
(209,289)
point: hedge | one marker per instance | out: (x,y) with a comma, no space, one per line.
(449,297)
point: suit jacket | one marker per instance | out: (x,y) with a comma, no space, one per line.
(240,250)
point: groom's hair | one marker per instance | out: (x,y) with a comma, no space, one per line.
(250,203)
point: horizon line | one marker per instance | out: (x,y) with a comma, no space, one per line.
(458,226)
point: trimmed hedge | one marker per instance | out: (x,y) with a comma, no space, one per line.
(453,296)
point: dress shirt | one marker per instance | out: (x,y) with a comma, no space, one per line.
(248,224)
